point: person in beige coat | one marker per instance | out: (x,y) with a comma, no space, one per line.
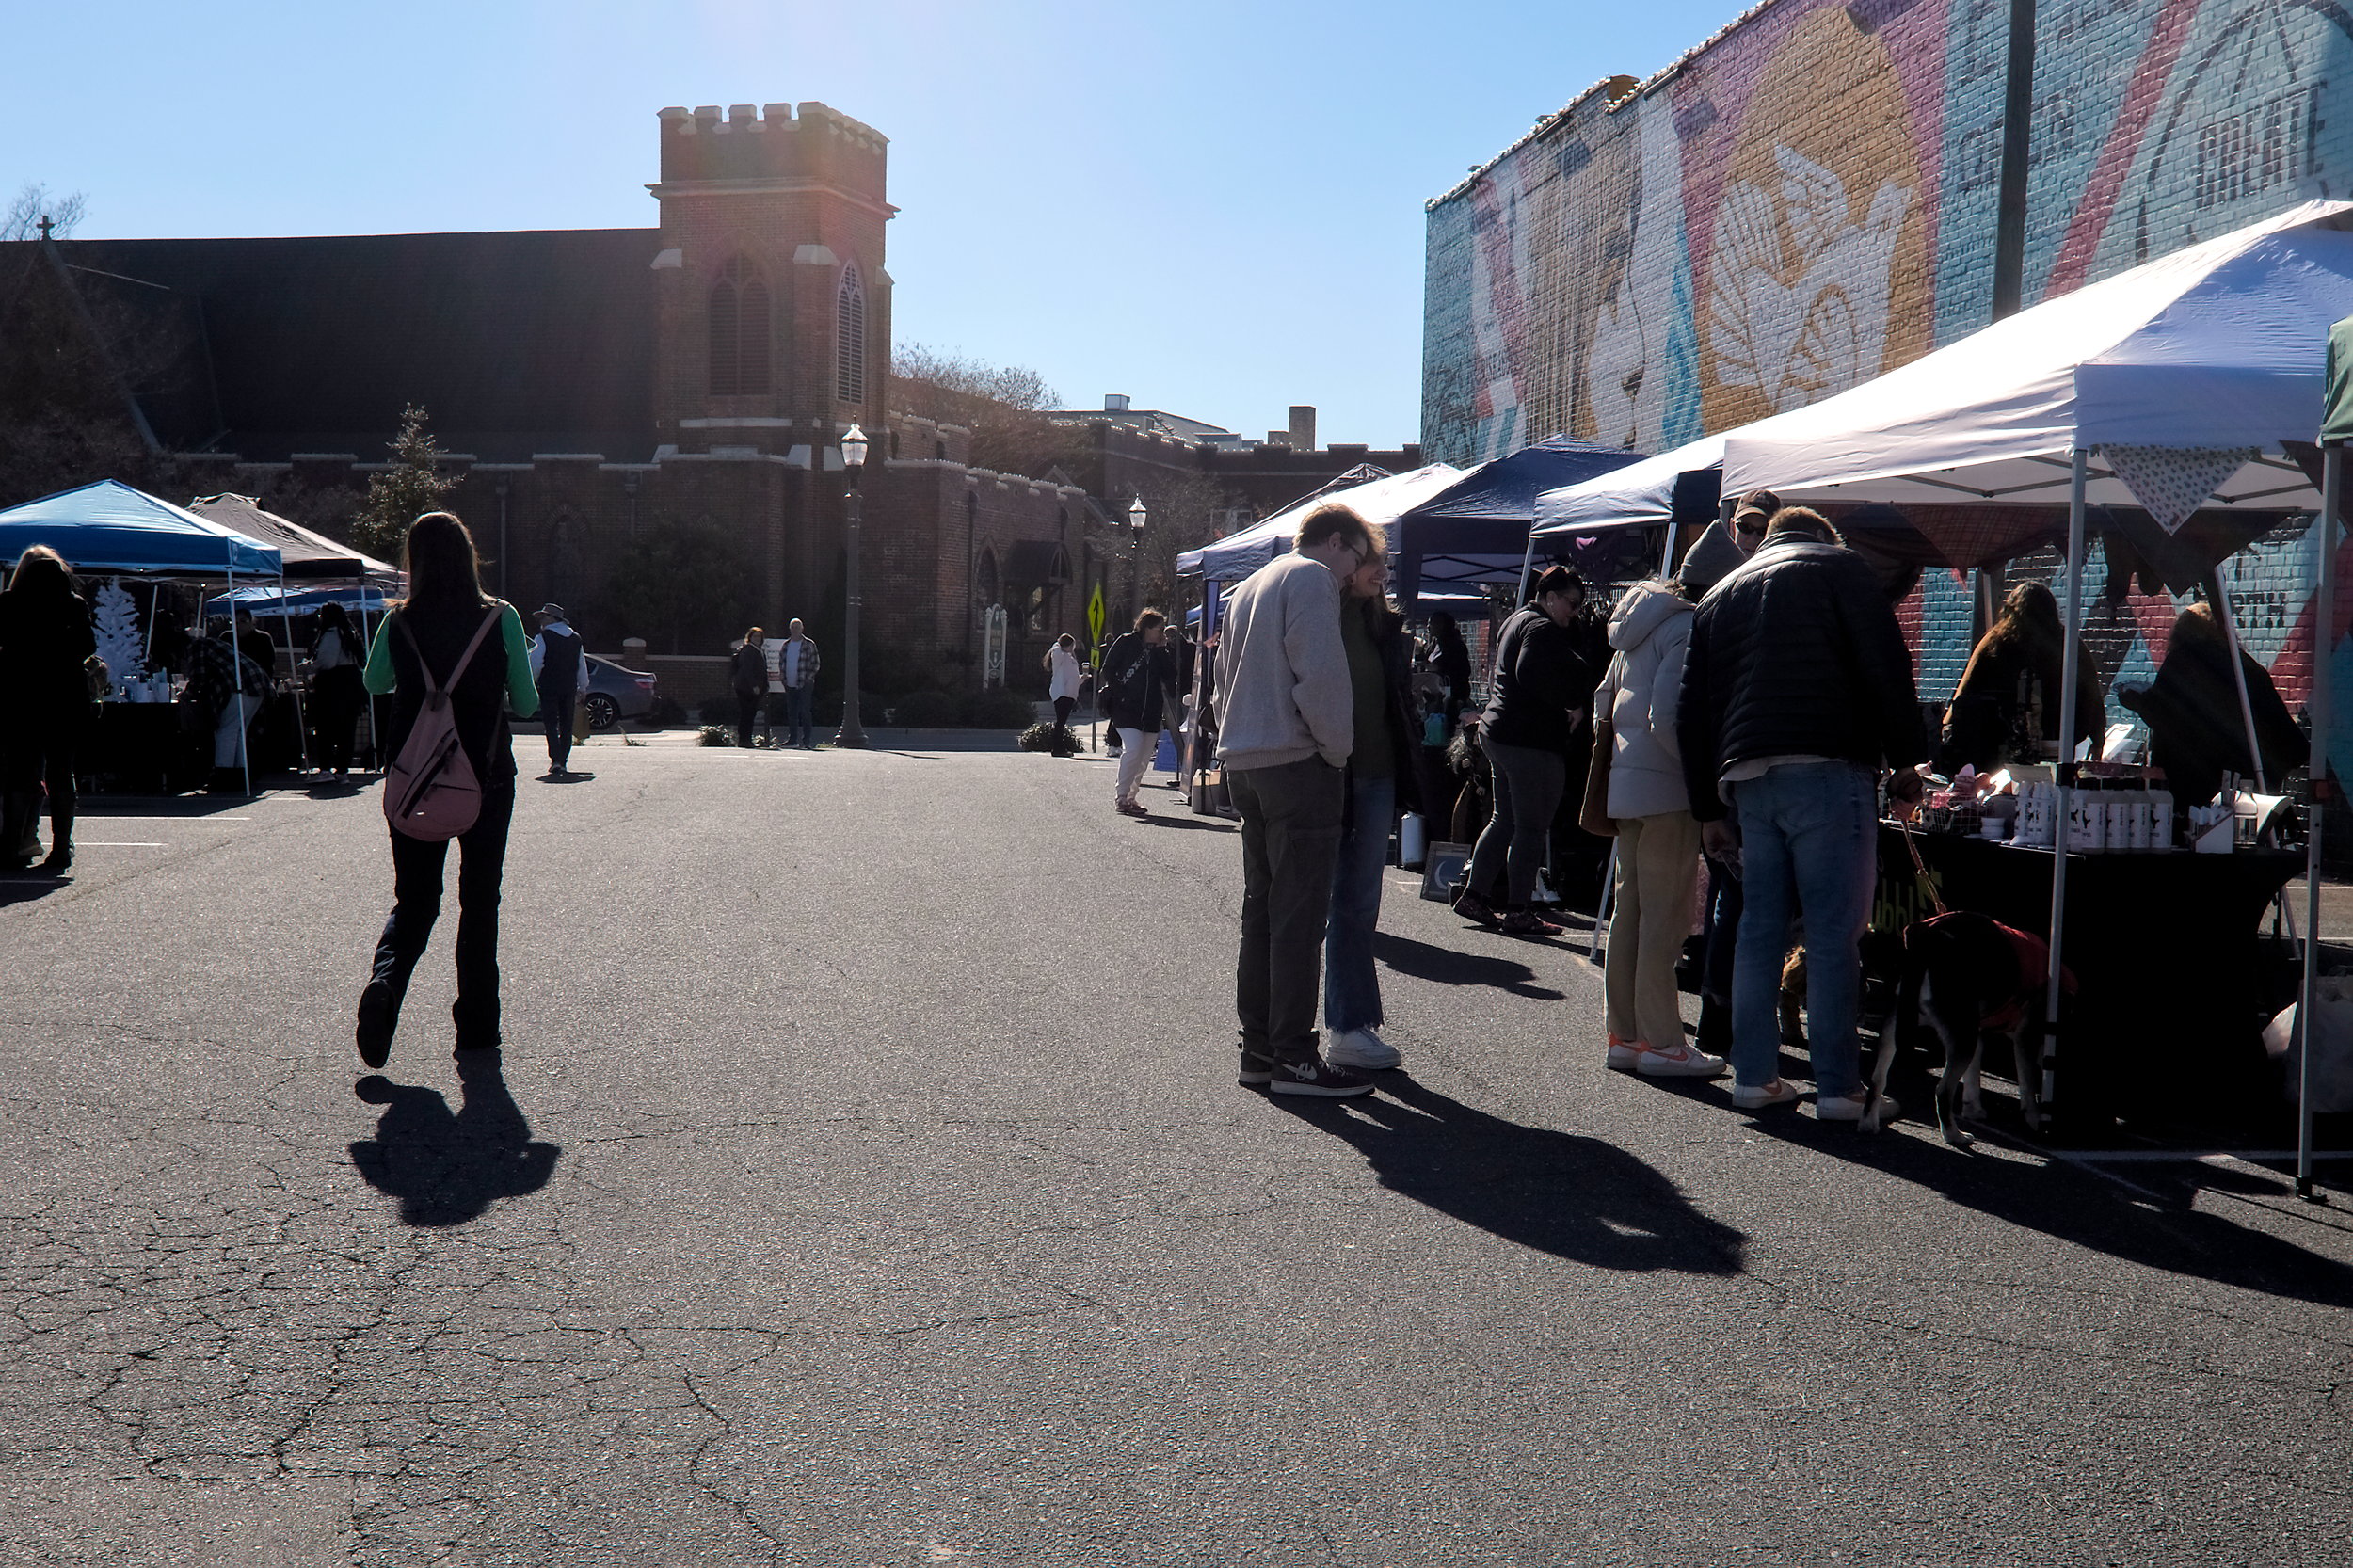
(1658,840)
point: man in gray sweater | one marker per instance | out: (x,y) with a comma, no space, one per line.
(1286,716)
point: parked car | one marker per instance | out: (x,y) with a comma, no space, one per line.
(616,694)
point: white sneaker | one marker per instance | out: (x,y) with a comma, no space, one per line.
(1361,1048)
(1850,1108)
(1679,1059)
(1623,1054)
(1757,1097)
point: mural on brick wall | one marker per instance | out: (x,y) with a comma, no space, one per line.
(1809,200)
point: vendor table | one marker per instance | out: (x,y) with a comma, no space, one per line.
(141,746)
(2165,949)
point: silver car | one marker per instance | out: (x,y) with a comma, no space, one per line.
(616,694)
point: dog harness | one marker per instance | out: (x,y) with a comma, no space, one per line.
(2034,973)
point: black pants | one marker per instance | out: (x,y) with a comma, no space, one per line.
(42,749)
(338,697)
(1290,841)
(555,714)
(747,714)
(1064,707)
(417,902)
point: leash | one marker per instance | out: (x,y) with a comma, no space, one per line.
(1920,868)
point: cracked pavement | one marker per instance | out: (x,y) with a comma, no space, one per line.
(866,1183)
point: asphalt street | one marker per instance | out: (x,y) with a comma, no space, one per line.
(867,1184)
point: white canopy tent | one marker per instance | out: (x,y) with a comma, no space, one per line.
(1380,502)
(2179,387)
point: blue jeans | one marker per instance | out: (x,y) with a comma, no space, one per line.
(1352,991)
(798,700)
(1808,830)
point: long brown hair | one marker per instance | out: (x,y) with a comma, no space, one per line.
(42,571)
(2029,618)
(444,574)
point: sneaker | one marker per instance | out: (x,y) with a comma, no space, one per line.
(1527,923)
(1129,809)
(1361,1048)
(1678,1060)
(1256,1071)
(1759,1097)
(1850,1108)
(1472,907)
(1312,1075)
(1623,1054)
(377,1021)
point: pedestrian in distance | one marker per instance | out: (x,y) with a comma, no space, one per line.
(1381,781)
(559,672)
(747,672)
(1658,840)
(796,665)
(1286,727)
(1064,678)
(337,693)
(1797,691)
(46,643)
(1449,656)
(255,644)
(1139,687)
(429,633)
(1538,702)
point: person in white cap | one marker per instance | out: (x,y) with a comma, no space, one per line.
(559,669)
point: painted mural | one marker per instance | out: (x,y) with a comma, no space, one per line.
(1808,200)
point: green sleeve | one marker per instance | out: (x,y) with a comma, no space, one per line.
(379,676)
(523,695)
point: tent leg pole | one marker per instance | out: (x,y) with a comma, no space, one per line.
(2072,662)
(1528,570)
(1597,951)
(2238,678)
(2320,705)
(285,625)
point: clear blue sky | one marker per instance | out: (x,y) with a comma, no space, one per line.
(1213,207)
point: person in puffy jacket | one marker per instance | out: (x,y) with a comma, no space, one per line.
(1797,691)
(1658,838)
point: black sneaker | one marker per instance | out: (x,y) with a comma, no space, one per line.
(376,1022)
(1256,1071)
(1313,1075)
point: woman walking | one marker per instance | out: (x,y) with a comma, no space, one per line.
(336,690)
(45,640)
(1658,840)
(429,633)
(1139,681)
(1380,782)
(748,673)
(1539,691)
(1063,679)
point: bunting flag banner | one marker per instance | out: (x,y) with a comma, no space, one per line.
(2172,482)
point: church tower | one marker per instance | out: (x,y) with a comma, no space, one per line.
(775,307)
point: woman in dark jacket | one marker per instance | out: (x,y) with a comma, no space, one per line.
(1380,781)
(1139,695)
(445,608)
(45,640)
(747,673)
(1535,713)
(336,689)
(2007,707)
(2196,731)
(1450,657)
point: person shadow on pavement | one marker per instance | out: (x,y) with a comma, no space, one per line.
(447,1169)
(1573,1197)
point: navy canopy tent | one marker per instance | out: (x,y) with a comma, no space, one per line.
(1475,531)
(110,527)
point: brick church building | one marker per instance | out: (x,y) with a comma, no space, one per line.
(595,388)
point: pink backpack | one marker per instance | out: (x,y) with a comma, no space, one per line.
(431,792)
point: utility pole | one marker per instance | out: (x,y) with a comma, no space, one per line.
(2009,217)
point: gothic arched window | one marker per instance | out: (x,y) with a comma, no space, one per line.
(739,330)
(849,341)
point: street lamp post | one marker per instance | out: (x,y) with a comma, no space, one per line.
(852,732)
(1137,517)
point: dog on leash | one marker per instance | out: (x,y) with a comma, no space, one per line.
(1976,982)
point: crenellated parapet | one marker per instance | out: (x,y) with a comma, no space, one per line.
(745,146)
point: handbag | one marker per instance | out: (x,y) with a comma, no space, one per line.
(1593,816)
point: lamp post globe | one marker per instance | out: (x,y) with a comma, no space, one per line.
(1136,518)
(854,447)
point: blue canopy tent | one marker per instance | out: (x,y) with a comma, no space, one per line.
(1475,531)
(110,527)
(265,601)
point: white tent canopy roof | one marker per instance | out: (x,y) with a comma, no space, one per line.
(1379,501)
(2216,347)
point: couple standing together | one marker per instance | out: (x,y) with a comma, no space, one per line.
(1314,728)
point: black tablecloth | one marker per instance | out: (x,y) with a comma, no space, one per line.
(2165,950)
(141,747)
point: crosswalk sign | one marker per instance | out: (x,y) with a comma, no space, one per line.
(1095,617)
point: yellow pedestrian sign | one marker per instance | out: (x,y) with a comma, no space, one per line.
(1094,619)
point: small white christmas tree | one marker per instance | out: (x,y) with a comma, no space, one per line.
(118,630)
